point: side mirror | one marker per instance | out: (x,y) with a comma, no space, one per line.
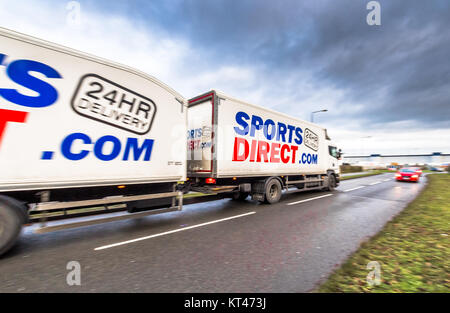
(339,154)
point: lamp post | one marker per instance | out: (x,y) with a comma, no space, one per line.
(312,114)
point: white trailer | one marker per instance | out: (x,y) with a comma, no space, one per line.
(237,147)
(78,131)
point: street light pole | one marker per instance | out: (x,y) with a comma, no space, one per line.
(312,114)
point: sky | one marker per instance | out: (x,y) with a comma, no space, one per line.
(386,87)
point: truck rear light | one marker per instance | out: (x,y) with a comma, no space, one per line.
(210,180)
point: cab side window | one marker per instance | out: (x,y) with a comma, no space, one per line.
(333,151)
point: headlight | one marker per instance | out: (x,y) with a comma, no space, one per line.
(415,176)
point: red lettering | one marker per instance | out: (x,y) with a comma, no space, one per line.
(275,153)
(238,142)
(10,116)
(263,149)
(294,150)
(253,150)
(284,159)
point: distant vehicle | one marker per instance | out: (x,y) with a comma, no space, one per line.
(392,168)
(407,174)
(418,170)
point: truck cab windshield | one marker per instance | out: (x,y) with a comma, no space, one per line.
(333,151)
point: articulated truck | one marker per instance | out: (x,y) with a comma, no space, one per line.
(80,135)
(242,149)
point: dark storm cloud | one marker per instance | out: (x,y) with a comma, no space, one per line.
(397,71)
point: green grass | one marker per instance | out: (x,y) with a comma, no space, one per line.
(413,249)
(376,172)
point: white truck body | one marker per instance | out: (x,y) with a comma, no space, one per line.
(78,131)
(68,119)
(251,140)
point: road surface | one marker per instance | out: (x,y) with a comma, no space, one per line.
(219,246)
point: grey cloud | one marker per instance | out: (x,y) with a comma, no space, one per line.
(397,71)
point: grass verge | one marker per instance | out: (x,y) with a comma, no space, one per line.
(413,249)
(376,172)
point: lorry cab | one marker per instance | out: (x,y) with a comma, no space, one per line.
(334,157)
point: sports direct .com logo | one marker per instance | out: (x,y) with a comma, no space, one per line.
(281,145)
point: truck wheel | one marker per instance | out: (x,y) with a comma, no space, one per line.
(331,182)
(11,220)
(239,196)
(273,191)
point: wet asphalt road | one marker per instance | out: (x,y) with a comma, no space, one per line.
(283,247)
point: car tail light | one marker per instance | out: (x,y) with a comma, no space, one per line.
(210,180)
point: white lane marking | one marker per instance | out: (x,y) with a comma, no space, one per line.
(375,183)
(301,201)
(171,231)
(359,187)
(387,179)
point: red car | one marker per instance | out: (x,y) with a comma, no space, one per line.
(407,174)
(418,171)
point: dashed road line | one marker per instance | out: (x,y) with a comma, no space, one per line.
(359,187)
(375,183)
(305,200)
(171,232)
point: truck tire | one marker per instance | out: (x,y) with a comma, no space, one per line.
(331,182)
(273,191)
(19,207)
(11,220)
(240,196)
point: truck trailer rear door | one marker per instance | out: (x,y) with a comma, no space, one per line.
(200,150)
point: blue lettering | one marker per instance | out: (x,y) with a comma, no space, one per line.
(18,71)
(240,119)
(132,146)
(308,159)
(281,131)
(266,129)
(298,133)
(98,148)
(257,124)
(132,143)
(67,144)
(291,129)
